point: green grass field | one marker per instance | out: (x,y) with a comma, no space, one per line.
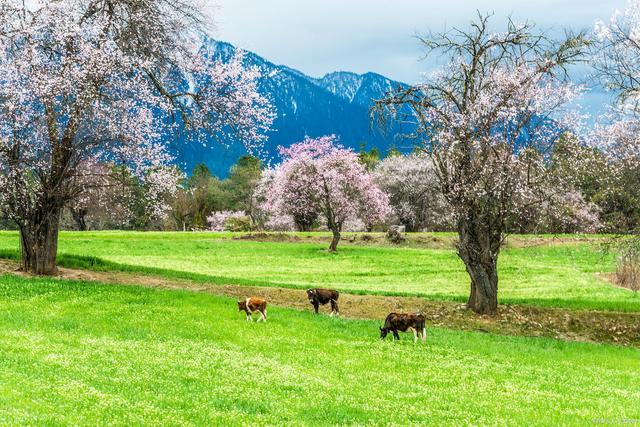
(561,275)
(74,353)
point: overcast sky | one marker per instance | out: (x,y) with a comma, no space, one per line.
(320,36)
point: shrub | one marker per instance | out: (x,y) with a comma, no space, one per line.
(628,274)
(394,234)
(240,223)
(229,221)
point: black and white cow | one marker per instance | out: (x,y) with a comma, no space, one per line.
(404,322)
(319,296)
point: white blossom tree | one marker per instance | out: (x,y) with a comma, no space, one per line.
(105,81)
(617,64)
(617,54)
(414,191)
(488,120)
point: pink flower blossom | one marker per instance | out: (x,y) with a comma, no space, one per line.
(318,177)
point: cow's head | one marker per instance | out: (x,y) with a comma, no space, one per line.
(311,294)
(383,332)
(242,305)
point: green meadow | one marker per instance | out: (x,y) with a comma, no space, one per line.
(568,275)
(75,353)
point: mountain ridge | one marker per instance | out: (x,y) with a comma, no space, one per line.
(336,103)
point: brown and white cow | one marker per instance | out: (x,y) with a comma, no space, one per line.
(319,296)
(404,322)
(252,304)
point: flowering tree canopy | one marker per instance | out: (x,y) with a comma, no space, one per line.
(414,191)
(104,81)
(617,53)
(319,177)
(487,120)
(617,62)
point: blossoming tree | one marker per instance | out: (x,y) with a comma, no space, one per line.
(414,192)
(104,81)
(617,61)
(617,53)
(318,177)
(485,121)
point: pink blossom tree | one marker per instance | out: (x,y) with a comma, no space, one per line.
(488,121)
(269,220)
(105,81)
(319,177)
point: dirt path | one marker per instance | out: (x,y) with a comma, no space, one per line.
(578,325)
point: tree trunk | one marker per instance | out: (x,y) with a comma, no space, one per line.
(334,242)
(483,298)
(479,251)
(39,242)
(303,224)
(79,216)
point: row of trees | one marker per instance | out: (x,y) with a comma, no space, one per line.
(202,193)
(601,200)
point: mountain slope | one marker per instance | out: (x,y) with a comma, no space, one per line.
(337,103)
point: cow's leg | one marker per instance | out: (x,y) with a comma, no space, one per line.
(424,334)
(415,335)
(263,315)
(316,306)
(396,335)
(334,308)
(249,317)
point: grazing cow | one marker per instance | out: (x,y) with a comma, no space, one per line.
(320,296)
(404,322)
(252,304)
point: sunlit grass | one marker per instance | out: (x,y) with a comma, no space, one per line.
(88,354)
(562,275)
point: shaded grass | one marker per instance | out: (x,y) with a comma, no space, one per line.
(557,275)
(84,353)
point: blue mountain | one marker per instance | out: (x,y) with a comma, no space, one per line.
(337,103)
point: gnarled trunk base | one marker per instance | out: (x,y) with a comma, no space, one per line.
(483,298)
(479,248)
(39,244)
